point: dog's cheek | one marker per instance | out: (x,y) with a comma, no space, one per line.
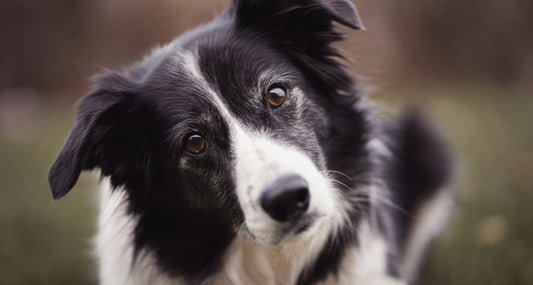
(209,186)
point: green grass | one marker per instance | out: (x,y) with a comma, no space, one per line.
(489,240)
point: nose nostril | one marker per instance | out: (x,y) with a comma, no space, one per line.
(287,199)
(302,196)
(301,199)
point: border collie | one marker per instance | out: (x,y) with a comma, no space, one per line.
(243,152)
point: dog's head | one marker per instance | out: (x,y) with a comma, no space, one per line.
(226,131)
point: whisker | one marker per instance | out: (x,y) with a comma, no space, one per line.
(393,205)
(379,195)
(341,173)
(341,184)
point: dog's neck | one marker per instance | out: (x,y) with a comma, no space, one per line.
(249,263)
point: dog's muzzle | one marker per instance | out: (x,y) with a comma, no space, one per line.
(287,199)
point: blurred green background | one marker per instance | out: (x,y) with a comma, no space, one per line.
(469,63)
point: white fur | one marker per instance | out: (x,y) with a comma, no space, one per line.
(247,262)
(377,146)
(114,245)
(430,220)
(365,264)
(113,242)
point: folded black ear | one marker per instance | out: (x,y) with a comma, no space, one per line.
(91,125)
(341,11)
(344,12)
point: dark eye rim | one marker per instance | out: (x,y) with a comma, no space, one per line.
(280,86)
(188,136)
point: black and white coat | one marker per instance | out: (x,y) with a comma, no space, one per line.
(374,189)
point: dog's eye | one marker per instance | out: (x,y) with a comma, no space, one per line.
(276,96)
(195,143)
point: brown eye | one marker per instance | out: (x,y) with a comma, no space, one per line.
(276,96)
(195,143)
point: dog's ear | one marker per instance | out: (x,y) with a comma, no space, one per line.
(341,11)
(93,139)
(304,30)
(344,12)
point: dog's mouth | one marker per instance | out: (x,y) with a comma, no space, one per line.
(302,228)
(285,232)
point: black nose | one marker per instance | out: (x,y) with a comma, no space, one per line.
(287,199)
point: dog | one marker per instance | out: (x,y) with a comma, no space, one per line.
(244,152)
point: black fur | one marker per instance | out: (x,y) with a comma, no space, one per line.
(422,167)
(132,128)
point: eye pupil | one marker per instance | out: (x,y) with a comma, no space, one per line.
(276,96)
(195,143)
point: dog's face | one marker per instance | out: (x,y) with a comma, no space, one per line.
(223,132)
(245,131)
(270,138)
